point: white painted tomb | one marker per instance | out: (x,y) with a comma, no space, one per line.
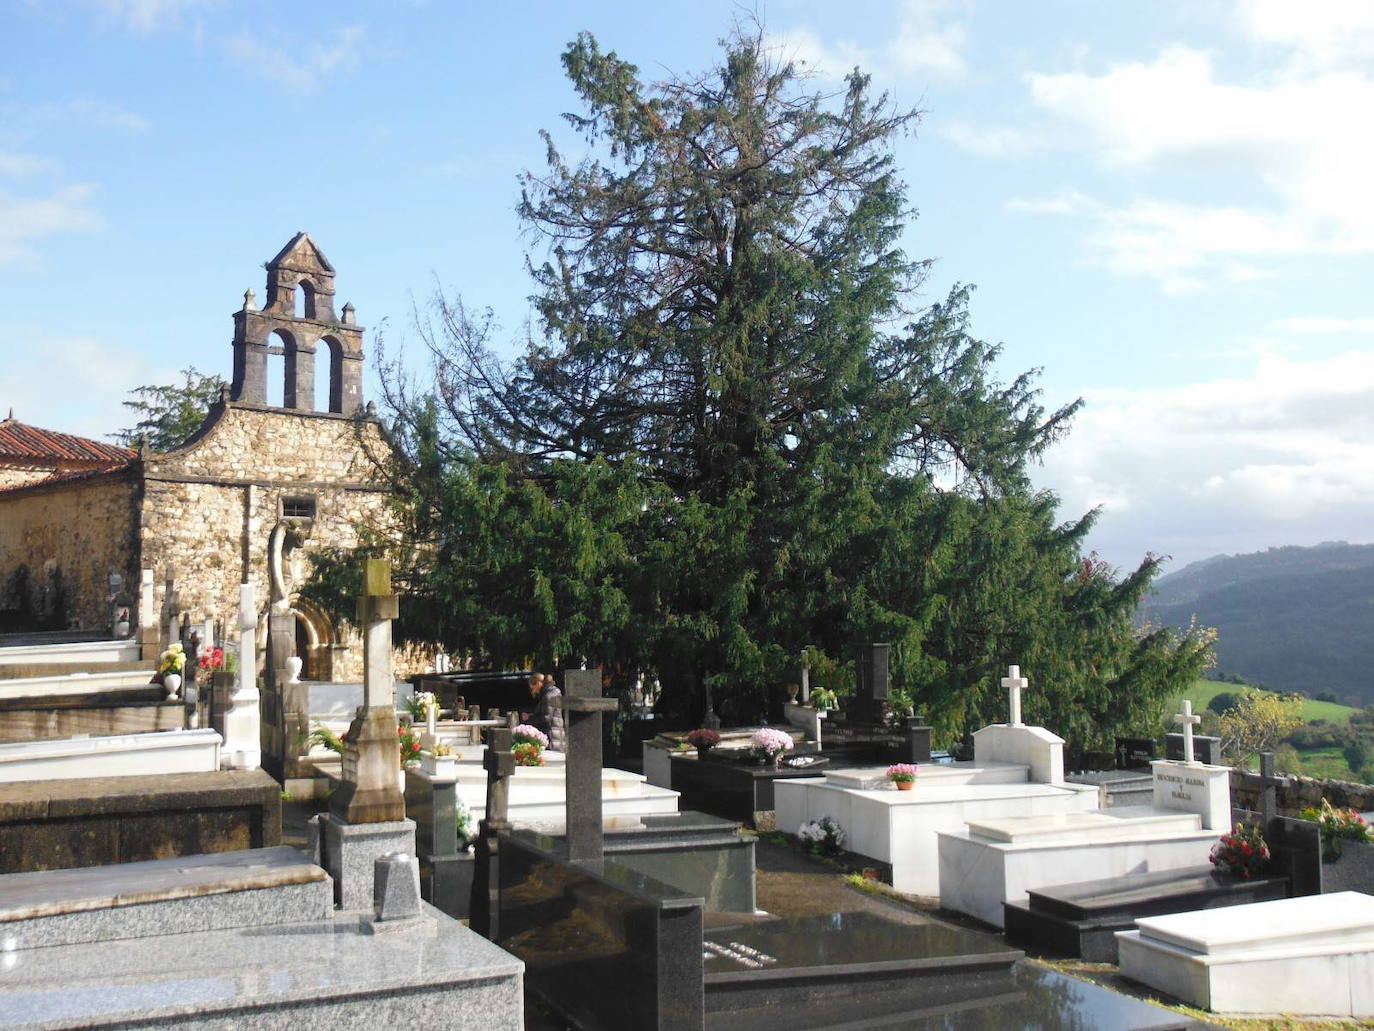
(120,755)
(35,689)
(83,653)
(1016,771)
(991,862)
(1311,956)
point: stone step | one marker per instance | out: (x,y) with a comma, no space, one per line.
(252,888)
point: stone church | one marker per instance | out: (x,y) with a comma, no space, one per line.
(245,499)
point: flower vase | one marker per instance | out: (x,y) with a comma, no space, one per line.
(905,785)
(172,682)
(775,760)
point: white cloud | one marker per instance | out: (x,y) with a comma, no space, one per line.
(26,220)
(930,41)
(1282,455)
(1282,149)
(1326,325)
(21,166)
(150,15)
(299,72)
(1315,33)
(96,376)
(989,141)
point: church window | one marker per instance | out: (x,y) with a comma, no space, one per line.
(298,507)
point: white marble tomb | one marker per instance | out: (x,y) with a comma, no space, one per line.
(1311,956)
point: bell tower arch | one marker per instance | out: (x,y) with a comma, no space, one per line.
(297,319)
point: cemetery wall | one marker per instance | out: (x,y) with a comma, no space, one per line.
(14,476)
(1301,793)
(83,529)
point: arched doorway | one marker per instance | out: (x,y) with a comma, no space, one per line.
(314,641)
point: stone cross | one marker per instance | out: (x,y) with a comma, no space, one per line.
(484,906)
(1270,784)
(147,616)
(1015,683)
(371,791)
(1187,720)
(583,709)
(243,720)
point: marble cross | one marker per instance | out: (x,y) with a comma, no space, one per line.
(1015,683)
(1187,720)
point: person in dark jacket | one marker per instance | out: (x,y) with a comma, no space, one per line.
(548,713)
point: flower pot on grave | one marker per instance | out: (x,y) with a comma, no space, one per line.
(439,765)
(172,682)
(904,785)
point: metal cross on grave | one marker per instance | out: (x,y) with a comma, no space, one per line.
(1015,683)
(1187,720)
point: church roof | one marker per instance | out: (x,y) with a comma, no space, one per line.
(20,442)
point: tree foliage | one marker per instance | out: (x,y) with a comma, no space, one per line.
(729,436)
(1257,723)
(169,414)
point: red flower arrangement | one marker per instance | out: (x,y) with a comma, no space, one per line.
(1243,853)
(211,660)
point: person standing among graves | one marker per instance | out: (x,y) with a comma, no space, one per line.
(548,713)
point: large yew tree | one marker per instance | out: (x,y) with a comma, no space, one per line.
(730,433)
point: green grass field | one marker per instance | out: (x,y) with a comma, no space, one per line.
(1316,762)
(1203,691)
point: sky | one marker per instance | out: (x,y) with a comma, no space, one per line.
(1166,207)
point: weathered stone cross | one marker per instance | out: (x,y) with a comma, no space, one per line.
(1269,789)
(1187,720)
(1015,683)
(584,709)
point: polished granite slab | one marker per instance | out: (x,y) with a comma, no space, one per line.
(51,892)
(323,974)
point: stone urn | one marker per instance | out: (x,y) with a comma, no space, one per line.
(172,682)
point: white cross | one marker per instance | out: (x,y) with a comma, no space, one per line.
(1015,683)
(1187,719)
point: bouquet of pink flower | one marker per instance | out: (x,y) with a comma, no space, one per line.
(901,773)
(770,743)
(532,735)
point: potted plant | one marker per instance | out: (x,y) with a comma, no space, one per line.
(440,761)
(823,837)
(169,667)
(824,699)
(1347,861)
(1242,853)
(409,745)
(703,740)
(768,745)
(527,753)
(903,775)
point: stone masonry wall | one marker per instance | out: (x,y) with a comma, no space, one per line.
(1301,793)
(84,529)
(209,509)
(17,475)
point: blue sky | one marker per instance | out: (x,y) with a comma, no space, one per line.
(1165,206)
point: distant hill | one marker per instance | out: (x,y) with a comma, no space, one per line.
(1293,619)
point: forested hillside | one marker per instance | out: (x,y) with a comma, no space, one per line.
(1293,619)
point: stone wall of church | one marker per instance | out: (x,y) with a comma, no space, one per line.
(17,475)
(209,510)
(82,530)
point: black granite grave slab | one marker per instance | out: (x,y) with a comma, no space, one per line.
(726,784)
(1082,919)
(602,944)
(1205,749)
(1313,867)
(819,971)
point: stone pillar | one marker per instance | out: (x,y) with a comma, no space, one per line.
(349,370)
(583,710)
(243,719)
(299,392)
(484,908)
(171,618)
(366,817)
(148,634)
